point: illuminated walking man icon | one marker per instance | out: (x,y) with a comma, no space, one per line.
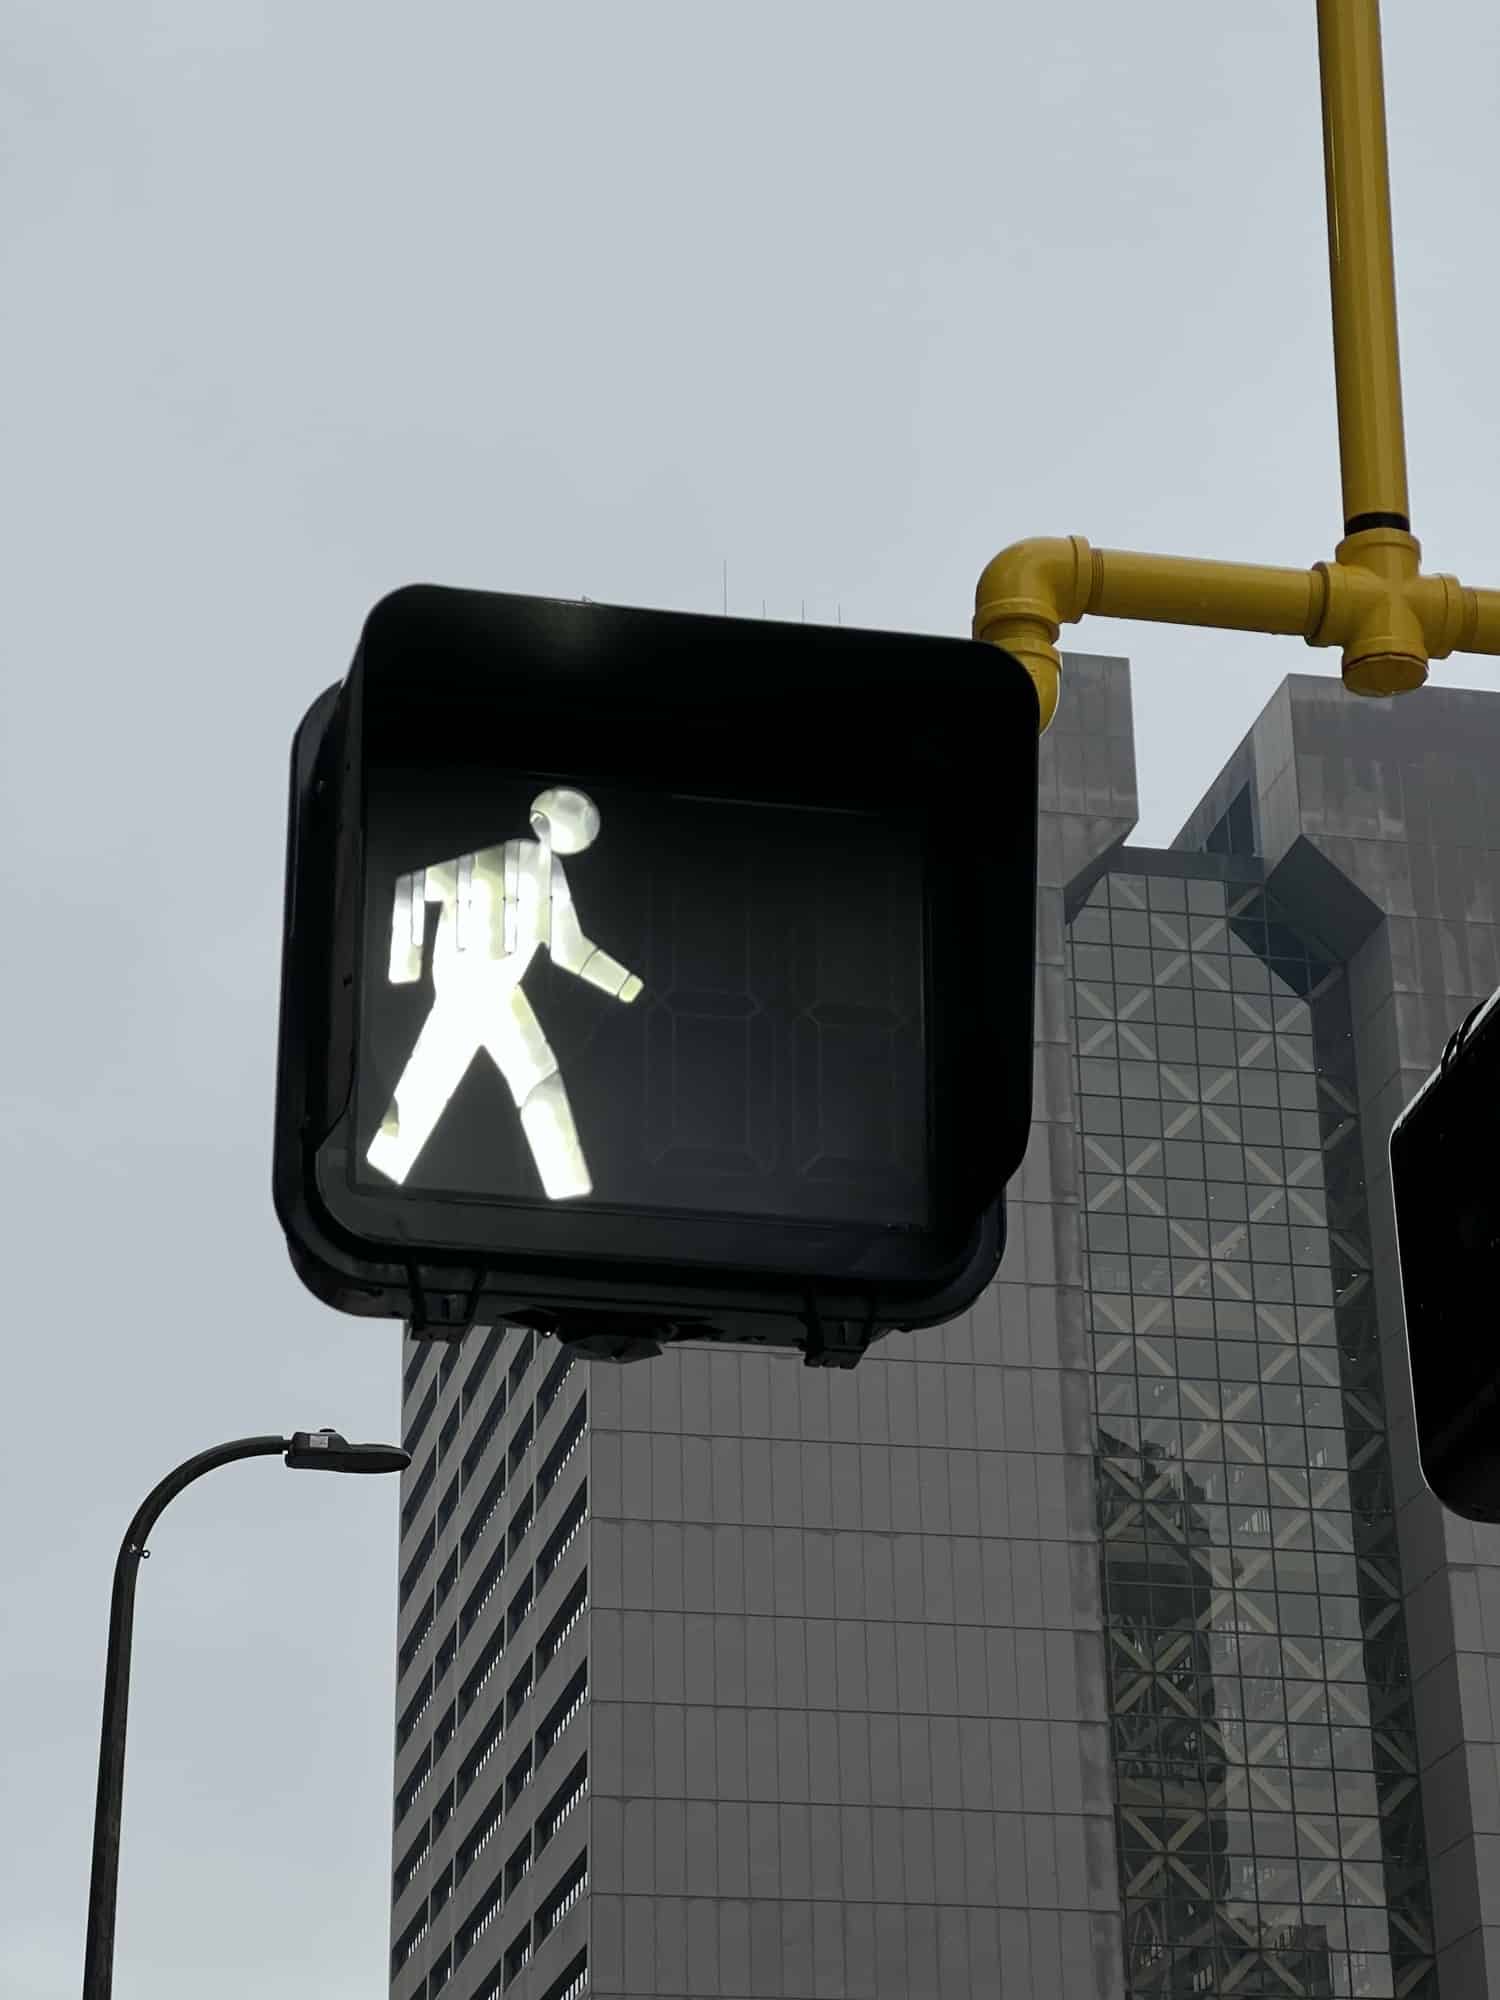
(500,906)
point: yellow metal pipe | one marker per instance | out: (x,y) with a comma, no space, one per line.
(1372,600)
(1481,633)
(1366,360)
(1181,590)
(1033,588)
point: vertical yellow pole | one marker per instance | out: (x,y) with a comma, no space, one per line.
(1372,443)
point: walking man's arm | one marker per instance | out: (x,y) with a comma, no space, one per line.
(409,917)
(575,953)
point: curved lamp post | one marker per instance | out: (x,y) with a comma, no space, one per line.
(316,1451)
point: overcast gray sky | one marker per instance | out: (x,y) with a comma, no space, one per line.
(305,300)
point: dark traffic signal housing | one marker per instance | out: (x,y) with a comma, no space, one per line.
(1446,1186)
(650,976)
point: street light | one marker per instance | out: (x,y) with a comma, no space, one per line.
(317,1451)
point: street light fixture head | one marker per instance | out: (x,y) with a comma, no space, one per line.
(329,1451)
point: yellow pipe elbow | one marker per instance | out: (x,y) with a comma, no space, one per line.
(1025,596)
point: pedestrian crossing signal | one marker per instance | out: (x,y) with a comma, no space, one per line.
(1446,1191)
(650,976)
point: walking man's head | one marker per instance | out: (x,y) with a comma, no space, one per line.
(569,819)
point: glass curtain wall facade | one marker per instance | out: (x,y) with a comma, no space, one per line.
(1377,827)
(1269,1816)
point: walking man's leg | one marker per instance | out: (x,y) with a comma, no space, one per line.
(444,1049)
(524,1058)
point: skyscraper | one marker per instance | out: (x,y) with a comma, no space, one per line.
(1101,1643)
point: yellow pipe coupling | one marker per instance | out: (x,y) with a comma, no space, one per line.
(1373,610)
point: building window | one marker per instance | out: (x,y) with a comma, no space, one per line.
(409,1939)
(484,1589)
(411,1576)
(520,1604)
(564,1534)
(480,1673)
(571,1981)
(476,1376)
(564,1621)
(483,1511)
(419,1631)
(563,1897)
(442,1889)
(521,1359)
(409,1793)
(552,1386)
(568,1441)
(410,1862)
(518,1865)
(517,1694)
(520,1520)
(421,1486)
(447,1578)
(572,1790)
(1234,832)
(480,1755)
(442,1736)
(421,1419)
(562,1711)
(518,1777)
(479,1444)
(480,1918)
(516,1954)
(415,1709)
(483,1833)
(520,1443)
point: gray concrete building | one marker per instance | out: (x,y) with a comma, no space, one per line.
(1101,1643)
